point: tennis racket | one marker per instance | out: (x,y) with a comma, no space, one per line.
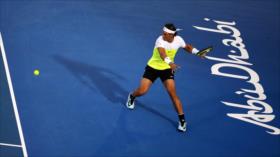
(205,51)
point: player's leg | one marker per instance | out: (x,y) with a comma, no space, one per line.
(149,76)
(143,88)
(171,89)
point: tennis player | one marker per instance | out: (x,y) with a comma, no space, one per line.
(162,65)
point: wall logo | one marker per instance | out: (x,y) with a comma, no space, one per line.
(256,110)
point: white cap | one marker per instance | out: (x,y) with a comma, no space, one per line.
(171,31)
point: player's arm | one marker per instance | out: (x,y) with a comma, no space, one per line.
(162,53)
(189,48)
(166,59)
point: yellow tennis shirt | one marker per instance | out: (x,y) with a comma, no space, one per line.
(171,49)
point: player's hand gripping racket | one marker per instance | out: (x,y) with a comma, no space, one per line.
(202,53)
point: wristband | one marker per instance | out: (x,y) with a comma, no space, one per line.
(167,60)
(195,51)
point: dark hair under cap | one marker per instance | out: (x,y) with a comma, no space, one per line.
(171,26)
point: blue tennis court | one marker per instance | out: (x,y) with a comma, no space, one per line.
(92,53)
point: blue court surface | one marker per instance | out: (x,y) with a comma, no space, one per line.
(92,53)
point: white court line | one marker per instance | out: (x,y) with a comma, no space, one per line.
(13,97)
(10,145)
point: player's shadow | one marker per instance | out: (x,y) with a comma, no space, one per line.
(103,80)
(96,78)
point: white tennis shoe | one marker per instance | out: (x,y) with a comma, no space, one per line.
(182,126)
(130,103)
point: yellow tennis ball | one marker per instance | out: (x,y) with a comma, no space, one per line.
(36,72)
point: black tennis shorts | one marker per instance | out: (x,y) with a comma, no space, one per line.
(152,74)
